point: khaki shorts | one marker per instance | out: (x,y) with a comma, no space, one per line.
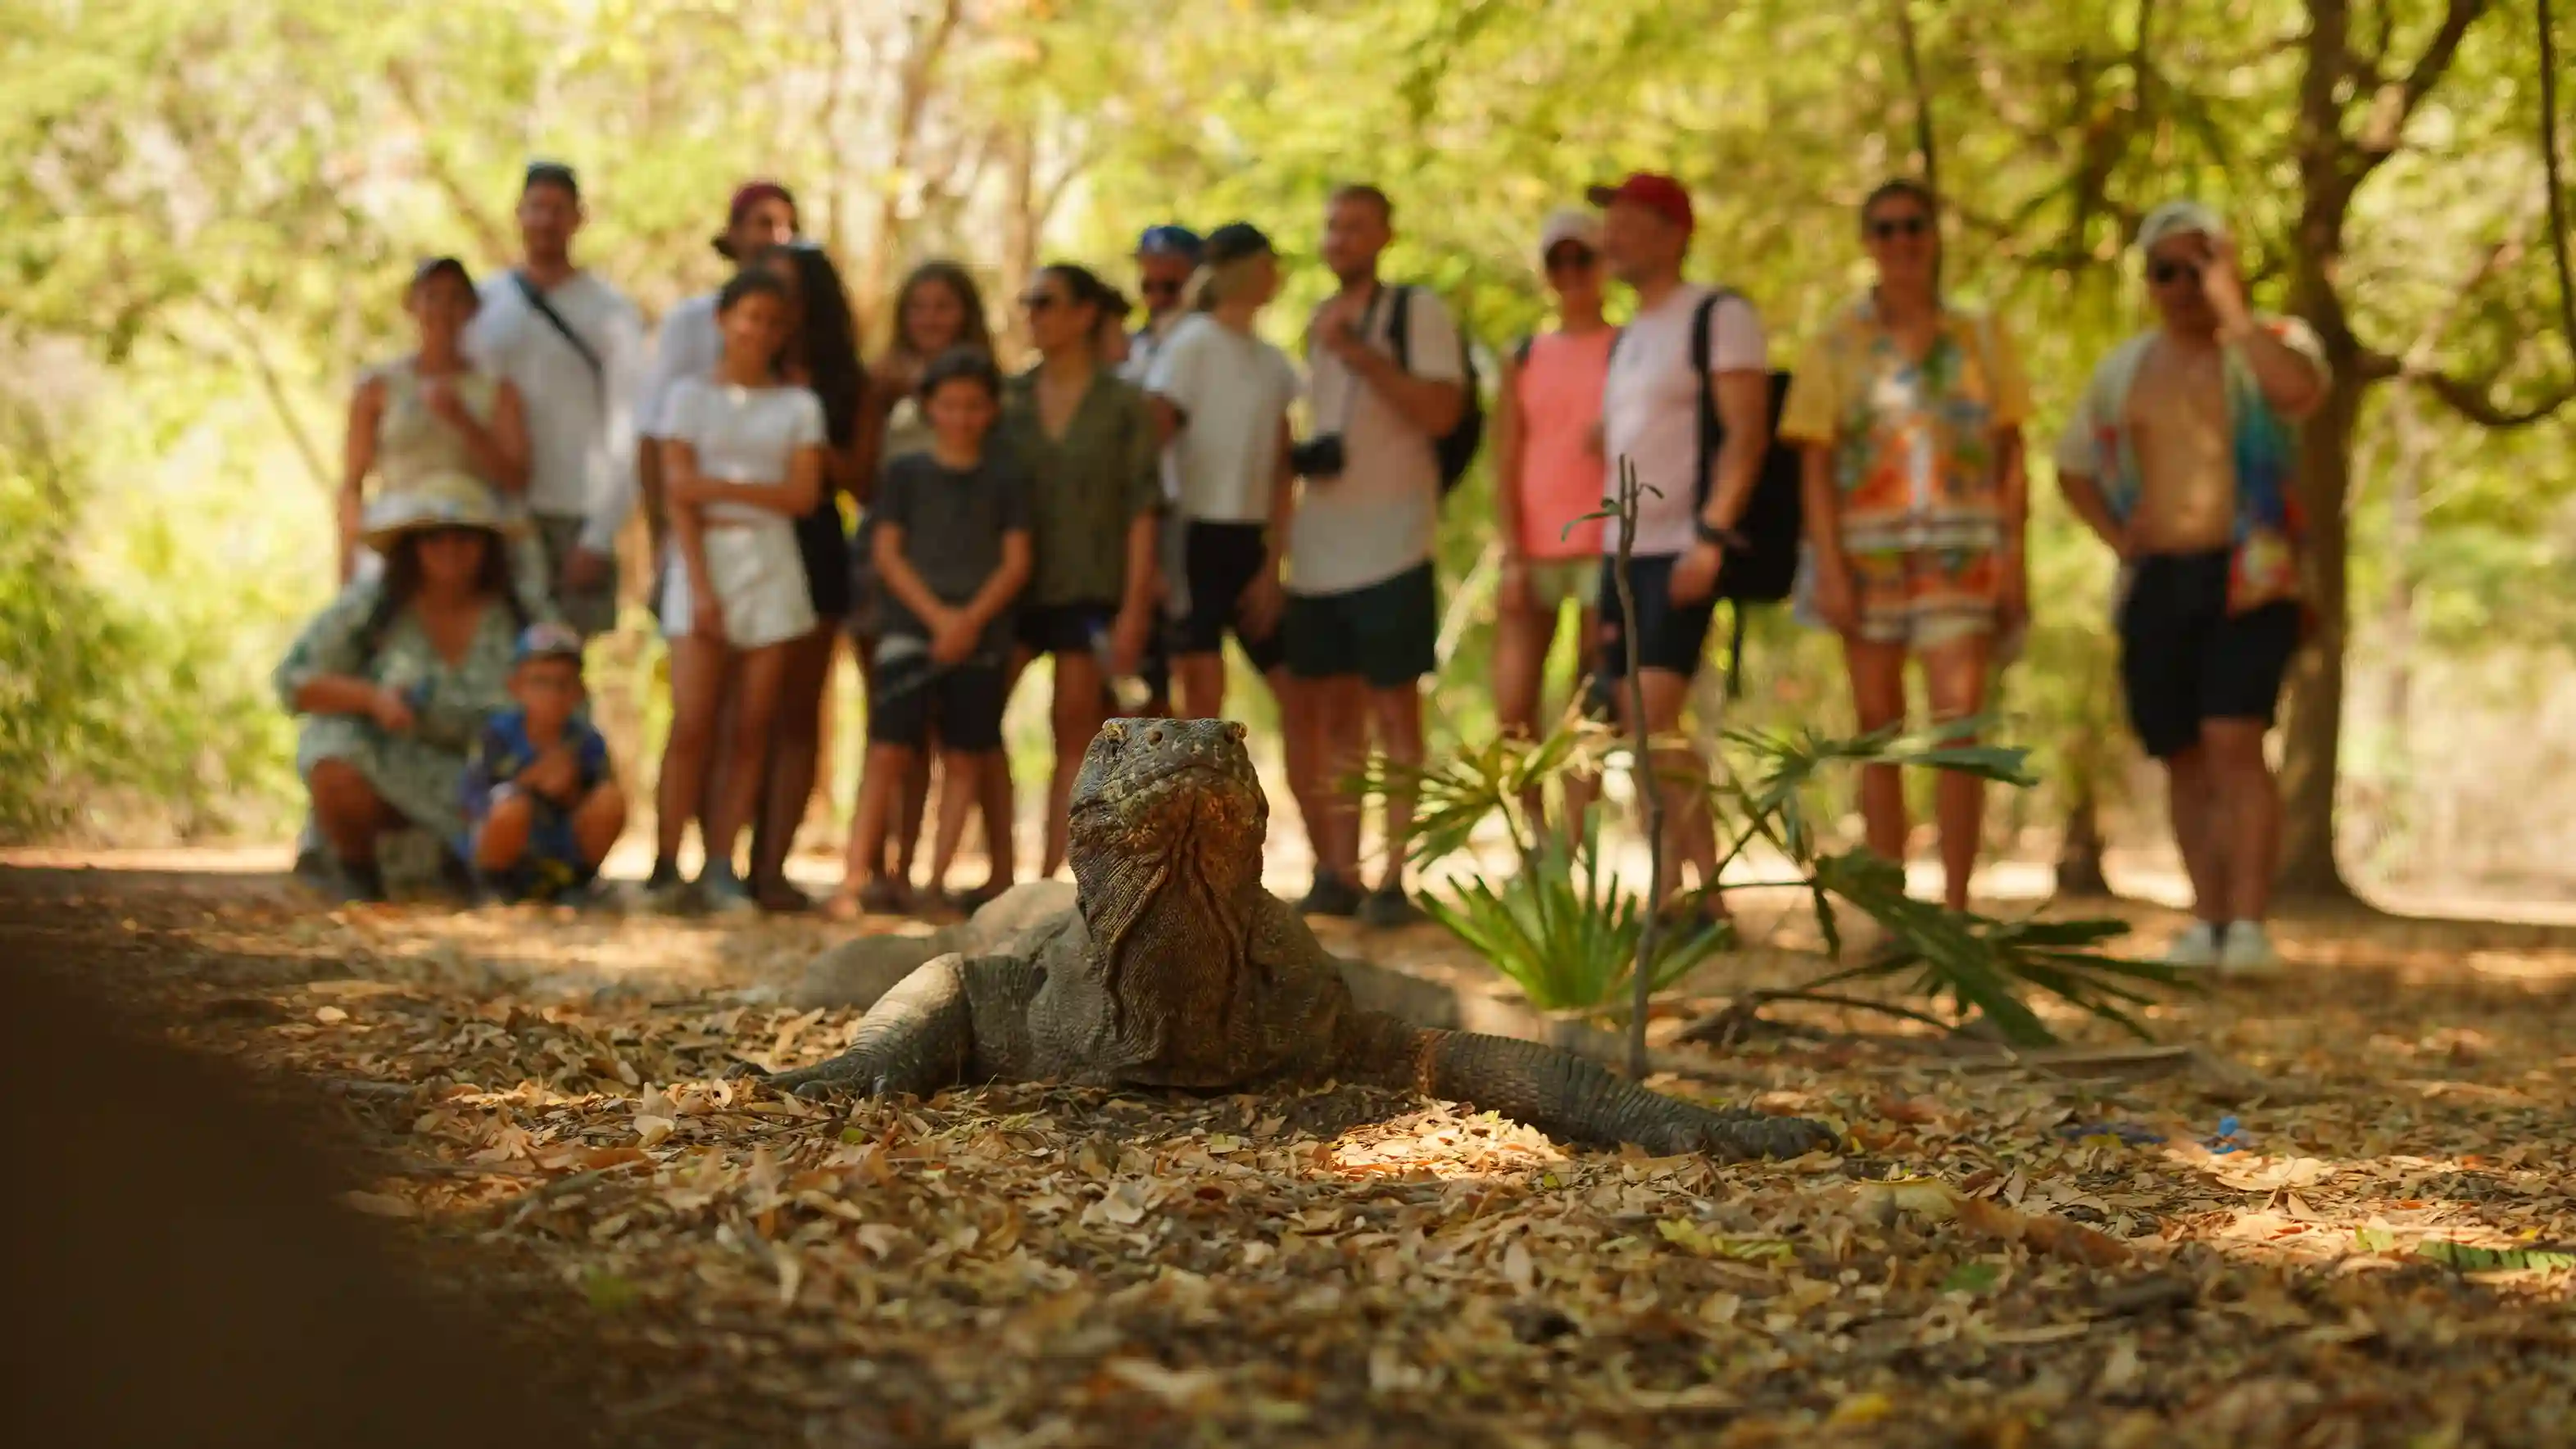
(592,611)
(1552,581)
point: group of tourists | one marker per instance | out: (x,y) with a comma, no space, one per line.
(1134,497)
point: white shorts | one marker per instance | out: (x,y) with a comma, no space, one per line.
(759,579)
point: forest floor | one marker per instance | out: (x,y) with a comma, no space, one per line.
(2009,1255)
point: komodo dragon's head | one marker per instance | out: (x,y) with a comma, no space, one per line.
(1169,792)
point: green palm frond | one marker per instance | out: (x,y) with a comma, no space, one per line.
(1564,930)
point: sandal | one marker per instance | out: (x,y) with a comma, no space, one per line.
(1695,910)
(968,903)
(779,898)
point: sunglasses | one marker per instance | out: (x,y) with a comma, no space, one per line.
(1892,227)
(2165,274)
(1040,302)
(1160,287)
(1570,259)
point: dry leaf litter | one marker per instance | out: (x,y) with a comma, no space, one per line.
(2375,1251)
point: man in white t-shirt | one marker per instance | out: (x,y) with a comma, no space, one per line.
(1363,607)
(1650,419)
(763,214)
(573,345)
(1166,256)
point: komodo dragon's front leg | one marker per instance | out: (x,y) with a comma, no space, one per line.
(955,1020)
(1562,1094)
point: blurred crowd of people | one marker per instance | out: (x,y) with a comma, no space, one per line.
(1137,493)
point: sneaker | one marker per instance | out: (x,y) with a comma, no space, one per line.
(313,867)
(725,894)
(664,893)
(2197,947)
(361,883)
(2248,950)
(1388,908)
(1330,896)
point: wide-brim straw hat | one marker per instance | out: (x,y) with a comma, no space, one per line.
(443,500)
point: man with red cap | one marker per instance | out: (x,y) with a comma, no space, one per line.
(1691,501)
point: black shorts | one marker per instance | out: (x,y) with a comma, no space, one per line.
(1063,628)
(1219,561)
(2185,659)
(826,551)
(1387,633)
(1670,636)
(912,694)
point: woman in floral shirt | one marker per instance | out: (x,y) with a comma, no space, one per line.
(1909,412)
(395,676)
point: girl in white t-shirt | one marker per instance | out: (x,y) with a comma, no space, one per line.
(742,457)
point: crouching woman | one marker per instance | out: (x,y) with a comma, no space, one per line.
(394,678)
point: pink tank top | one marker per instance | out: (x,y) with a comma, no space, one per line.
(1559,396)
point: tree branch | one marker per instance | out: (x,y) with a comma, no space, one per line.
(1911,50)
(2558,244)
(2392,105)
(488,233)
(2470,400)
(246,345)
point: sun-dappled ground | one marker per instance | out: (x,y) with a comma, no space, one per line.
(2060,1252)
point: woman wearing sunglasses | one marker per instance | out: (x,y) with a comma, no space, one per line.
(1091,446)
(1908,410)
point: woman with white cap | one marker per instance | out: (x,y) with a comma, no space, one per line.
(393,678)
(1548,474)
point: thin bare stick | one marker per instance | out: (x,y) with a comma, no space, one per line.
(1648,781)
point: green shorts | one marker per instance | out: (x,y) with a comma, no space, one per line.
(1552,581)
(1386,633)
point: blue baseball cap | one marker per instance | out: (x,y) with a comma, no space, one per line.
(1169,241)
(548,640)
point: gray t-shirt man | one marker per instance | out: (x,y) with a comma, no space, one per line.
(953,523)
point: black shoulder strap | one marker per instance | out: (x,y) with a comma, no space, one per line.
(537,299)
(1399,325)
(1703,323)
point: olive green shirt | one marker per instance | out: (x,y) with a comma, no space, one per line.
(1086,487)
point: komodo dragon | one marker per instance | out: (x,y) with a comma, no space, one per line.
(1176,969)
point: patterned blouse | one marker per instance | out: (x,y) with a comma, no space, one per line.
(1913,441)
(2263,565)
(422,771)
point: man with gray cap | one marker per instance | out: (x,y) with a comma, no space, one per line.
(2182,456)
(1548,474)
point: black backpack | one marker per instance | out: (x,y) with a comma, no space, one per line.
(1456,449)
(1766,569)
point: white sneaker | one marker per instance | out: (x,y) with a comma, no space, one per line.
(2248,951)
(2196,947)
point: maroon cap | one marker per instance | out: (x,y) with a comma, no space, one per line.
(752,193)
(1659,194)
(745,197)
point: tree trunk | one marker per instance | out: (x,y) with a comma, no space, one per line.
(2312,737)
(2079,853)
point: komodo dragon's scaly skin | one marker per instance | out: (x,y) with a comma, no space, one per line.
(1177,969)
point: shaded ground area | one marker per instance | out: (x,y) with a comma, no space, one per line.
(2374,1259)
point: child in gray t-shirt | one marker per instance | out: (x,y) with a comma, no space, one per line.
(951,546)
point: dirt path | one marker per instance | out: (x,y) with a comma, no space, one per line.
(540,1099)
